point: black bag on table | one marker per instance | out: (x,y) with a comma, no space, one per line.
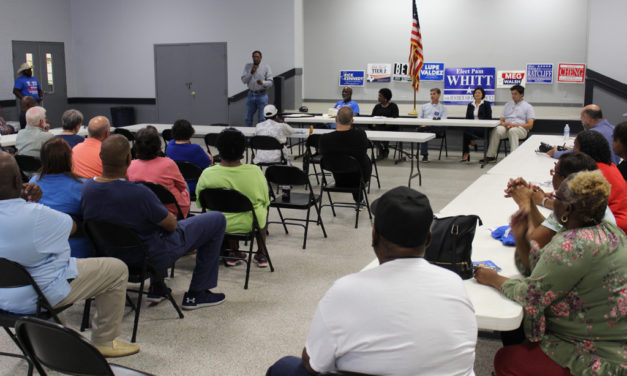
(451,243)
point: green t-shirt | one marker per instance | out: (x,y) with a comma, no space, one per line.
(247,179)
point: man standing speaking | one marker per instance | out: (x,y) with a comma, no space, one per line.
(258,77)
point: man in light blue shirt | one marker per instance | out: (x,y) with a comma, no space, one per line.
(30,139)
(258,77)
(433,110)
(36,237)
(592,120)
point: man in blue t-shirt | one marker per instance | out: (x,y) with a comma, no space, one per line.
(111,198)
(27,85)
(347,95)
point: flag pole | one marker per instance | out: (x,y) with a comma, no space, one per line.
(414,113)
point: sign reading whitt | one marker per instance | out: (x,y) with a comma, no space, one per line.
(571,73)
(507,79)
(432,72)
(352,78)
(379,73)
(459,83)
(540,73)
(400,72)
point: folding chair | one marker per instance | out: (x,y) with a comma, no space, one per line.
(28,166)
(257,143)
(347,170)
(232,201)
(129,136)
(167,136)
(312,155)
(191,173)
(111,240)
(210,141)
(63,350)
(293,176)
(375,170)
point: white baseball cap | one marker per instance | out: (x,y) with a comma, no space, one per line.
(270,111)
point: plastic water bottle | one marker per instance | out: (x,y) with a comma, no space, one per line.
(566,133)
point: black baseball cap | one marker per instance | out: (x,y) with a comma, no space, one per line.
(403,216)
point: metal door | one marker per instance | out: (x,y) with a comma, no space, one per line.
(48,61)
(191,82)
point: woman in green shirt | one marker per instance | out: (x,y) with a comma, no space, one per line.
(575,294)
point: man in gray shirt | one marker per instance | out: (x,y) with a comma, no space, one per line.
(515,124)
(30,139)
(432,110)
(258,77)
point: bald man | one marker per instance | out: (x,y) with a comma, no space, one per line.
(36,237)
(86,155)
(111,198)
(592,120)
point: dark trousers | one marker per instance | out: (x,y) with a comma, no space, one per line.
(288,366)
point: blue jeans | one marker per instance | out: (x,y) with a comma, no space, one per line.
(255,102)
(288,366)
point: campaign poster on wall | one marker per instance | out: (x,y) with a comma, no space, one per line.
(539,73)
(507,79)
(352,78)
(400,72)
(571,73)
(459,83)
(432,72)
(379,73)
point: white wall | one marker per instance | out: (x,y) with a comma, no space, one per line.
(113,40)
(607,42)
(30,20)
(506,34)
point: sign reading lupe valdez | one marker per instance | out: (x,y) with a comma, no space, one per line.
(571,73)
(432,72)
(379,72)
(540,73)
(459,83)
(507,79)
(352,78)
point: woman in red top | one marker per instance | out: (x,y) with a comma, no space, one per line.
(596,146)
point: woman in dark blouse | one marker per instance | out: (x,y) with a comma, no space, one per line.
(479,108)
(387,109)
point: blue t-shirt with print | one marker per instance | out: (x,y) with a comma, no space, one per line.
(28,86)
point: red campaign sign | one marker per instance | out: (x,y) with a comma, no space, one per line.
(571,73)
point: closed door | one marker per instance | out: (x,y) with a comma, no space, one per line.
(191,82)
(48,62)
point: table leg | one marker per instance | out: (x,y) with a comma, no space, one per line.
(411,169)
(485,147)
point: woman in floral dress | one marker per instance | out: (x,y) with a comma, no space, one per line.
(575,294)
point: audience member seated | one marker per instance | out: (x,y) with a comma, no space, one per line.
(180,148)
(347,140)
(275,127)
(4,127)
(619,146)
(432,110)
(35,236)
(150,167)
(29,140)
(479,108)
(111,198)
(384,108)
(86,155)
(248,179)
(596,146)
(27,103)
(403,317)
(573,295)
(61,188)
(347,101)
(71,121)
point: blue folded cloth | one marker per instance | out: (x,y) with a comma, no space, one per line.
(504,234)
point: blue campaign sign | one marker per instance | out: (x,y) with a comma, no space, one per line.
(432,72)
(352,78)
(540,73)
(459,83)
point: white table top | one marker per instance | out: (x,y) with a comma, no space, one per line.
(9,140)
(305,119)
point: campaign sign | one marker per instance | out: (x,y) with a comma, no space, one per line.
(459,83)
(432,72)
(379,73)
(507,79)
(540,73)
(400,72)
(571,73)
(352,78)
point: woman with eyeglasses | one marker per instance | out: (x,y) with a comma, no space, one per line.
(479,108)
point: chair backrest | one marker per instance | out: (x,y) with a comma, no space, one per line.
(340,164)
(189,170)
(227,201)
(265,143)
(313,140)
(28,163)
(167,135)
(59,348)
(112,240)
(164,195)
(126,133)
(211,139)
(286,175)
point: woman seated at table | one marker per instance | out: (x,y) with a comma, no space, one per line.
(71,121)
(150,167)
(479,108)
(387,109)
(573,295)
(596,146)
(61,188)
(248,179)
(181,148)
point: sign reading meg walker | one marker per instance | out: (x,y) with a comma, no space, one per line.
(571,73)
(459,83)
(352,78)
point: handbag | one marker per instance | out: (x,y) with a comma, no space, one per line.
(451,243)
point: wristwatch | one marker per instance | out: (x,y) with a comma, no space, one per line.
(544,200)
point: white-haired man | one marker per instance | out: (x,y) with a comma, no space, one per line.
(30,139)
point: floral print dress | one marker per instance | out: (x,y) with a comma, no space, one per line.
(575,299)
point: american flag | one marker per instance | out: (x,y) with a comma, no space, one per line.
(415,50)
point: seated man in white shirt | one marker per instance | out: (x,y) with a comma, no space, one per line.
(403,317)
(273,127)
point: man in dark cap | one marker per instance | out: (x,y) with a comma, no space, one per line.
(403,317)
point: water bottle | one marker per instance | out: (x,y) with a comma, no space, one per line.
(566,133)
(285,197)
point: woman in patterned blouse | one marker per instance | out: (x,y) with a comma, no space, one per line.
(574,295)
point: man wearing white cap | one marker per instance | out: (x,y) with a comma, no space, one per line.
(275,127)
(26,84)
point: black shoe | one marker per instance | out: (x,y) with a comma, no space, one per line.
(157,292)
(488,160)
(425,158)
(465,160)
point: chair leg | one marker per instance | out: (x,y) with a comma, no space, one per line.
(368,205)
(376,174)
(248,262)
(316,173)
(445,144)
(282,220)
(319,221)
(357,205)
(85,321)
(172,270)
(137,310)
(24,356)
(306,228)
(176,306)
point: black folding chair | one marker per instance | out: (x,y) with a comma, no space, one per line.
(111,240)
(257,143)
(28,166)
(375,170)
(312,156)
(293,176)
(63,350)
(232,201)
(348,178)
(211,141)
(13,275)
(167,136)
(129,136)
(191,173)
